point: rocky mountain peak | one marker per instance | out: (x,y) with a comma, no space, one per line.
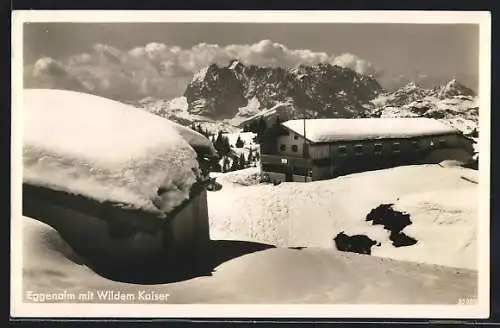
(236,65)
(411,86)
(331,90)
(454,88)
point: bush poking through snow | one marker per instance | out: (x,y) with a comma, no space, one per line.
(393,221)
(361,244)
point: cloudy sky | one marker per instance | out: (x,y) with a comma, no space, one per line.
(134,60)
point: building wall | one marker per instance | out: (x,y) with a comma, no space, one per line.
(89,231)
(343,157)
(289,141)
(189,228)
(301,178)
(319,151)
(356,156)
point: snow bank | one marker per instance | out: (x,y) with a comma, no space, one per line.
(326,130)
(239,178)
(271,276)
(443,224)
(106,150)
(49,262)
(196,140)
(312,214)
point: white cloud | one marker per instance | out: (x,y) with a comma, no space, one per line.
(355,63)
(163,71)
(48,66)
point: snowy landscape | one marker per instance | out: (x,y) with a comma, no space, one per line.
(290,228)
(282,228)
(268,243)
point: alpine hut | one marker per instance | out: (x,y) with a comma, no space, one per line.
(95,163)
(316,149)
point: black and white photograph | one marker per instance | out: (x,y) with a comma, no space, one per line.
(250,164)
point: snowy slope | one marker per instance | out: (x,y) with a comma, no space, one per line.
(106,150)
(244,213)
(311,214)
(269,276)
(177,110)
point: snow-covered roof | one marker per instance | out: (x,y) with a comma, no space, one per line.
(103,149)
(267,112)
(329,130)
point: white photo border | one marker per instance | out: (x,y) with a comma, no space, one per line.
(479,310)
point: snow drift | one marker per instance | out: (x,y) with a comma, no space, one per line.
(281,275)
(312,214)
(108,151)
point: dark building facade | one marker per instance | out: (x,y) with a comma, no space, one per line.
(308,150)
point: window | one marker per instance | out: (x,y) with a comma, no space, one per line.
(343,150)
(283,147)
(415,145)
(295,137)
(377,148)
(295,148)
(396,147)
(358,149)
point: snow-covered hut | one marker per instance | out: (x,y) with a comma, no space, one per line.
(89,158)
(316,149)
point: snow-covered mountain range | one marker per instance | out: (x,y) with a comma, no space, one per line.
(451,103)
(323,90)
(223,98)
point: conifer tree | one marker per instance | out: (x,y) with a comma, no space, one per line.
(242,162)
(239,143)
(225,164)
(226,147)
(235,165)
(250,156)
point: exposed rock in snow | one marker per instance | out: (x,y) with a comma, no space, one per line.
(311,214)
(251,273)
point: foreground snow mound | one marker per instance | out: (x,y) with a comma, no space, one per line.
(268,276)
(441,201)
(106,150)
(49,262)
